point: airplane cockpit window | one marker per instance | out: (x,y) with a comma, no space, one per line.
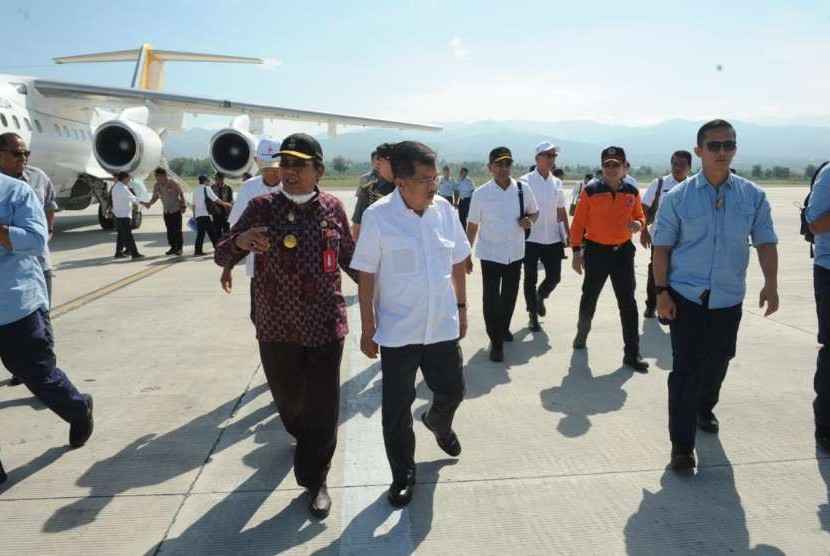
(28,124)
(16,121)
(57,129)
(38,126)
(66,132)
(4,120)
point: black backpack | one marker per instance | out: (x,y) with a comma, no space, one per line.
(805,226)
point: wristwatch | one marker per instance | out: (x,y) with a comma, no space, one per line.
(660,289)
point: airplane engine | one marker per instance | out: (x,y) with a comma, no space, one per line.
(126,146)
(233,151)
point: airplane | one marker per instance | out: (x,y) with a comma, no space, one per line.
(82,134)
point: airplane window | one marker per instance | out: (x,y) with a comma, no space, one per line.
(28,124)
(4,120)
(75,132)
(16,121)
(66,132)
(57,129)
(38,126)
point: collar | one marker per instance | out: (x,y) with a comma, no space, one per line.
(509,187)
(400,205)
(703,182)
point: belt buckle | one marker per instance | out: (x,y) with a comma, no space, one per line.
(615,248)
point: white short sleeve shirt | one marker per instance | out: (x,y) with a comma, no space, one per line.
(412,257)
(251,189)
(496,212)
(199,199)
(122,201)
(668,183)
(550,196)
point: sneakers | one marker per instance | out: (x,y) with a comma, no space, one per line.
(637,363)
(540,305)
(533,323)
(80,431)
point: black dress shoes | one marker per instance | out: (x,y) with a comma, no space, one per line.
(823,439)
(707,422)
(682,459)
(450,444)
(15,381)
(540,306)
(533,323)
(496,354)
(3,476)
(400,494)
(319,502)
(649,313)
(508,336)
(637,363)
(80,431)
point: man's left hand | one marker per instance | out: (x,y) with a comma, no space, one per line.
(634,226)
(769,294)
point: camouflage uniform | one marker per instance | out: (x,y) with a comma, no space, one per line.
(373,189)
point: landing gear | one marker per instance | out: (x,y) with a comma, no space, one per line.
(105,221)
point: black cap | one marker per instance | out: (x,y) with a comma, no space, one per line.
(302,146)
(500,153)
(160,171)
(616,153)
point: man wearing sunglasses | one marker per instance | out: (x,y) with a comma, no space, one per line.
(377,185)
(502,214)
(701,254)
(608,213)
(14,162)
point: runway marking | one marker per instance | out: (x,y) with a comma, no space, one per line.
(85,299)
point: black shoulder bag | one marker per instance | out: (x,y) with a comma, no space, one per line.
(522,207)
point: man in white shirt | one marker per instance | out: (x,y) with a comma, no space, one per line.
(462,195)
(446,185)
(267,182)
(122,208)
(629,179)
(578,191)
(545,242)
(504,212)
(411,256)
(203,217)
(681,165)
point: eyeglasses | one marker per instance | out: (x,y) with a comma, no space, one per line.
(504,163)
(287,164)
(424,182)
(716,146)
(18,154)
(550,155)
(612,165)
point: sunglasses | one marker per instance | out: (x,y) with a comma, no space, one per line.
(19,154)
(716,146)
(612,165)
(505,163)
(550,155)
(287,163)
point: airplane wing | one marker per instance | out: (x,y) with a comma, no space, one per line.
(197,105)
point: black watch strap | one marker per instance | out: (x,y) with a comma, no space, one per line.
(660,289)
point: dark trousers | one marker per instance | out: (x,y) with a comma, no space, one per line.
(50,336)
(204,225)
(602,262)
(173,223)
(26,352)
(124,226)
(500,288)
(464,210)
(253,303)
(220,224)
(651,297)
(551,257)
(441,365)
(449,198)
(821,381)
(703,341)
(305,383)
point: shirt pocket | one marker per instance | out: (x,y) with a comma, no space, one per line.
(441,251)
(403,255)
(6,215)
(694,222)
(739,221)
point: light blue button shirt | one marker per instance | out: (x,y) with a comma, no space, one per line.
(708,230)
(22,286)
(465,188)
(446,186)
(818,205)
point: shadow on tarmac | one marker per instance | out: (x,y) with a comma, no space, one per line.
(824,469)
(694,513)
(582,395)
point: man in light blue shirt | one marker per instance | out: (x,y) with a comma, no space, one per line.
(818,217)
(463,193)
(701,253)
(446,186)
(24,345)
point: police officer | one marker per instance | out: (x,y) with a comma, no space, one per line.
(220,213)
(173,204)
(701,254)
(446,185)
(608,213)
(375,188)
(462,195)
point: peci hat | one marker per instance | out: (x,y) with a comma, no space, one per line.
(266,150)
(546,146)
(613,153)
(500,153)
(302,146)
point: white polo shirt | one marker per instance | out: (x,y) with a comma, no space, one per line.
(199,199)
(122,201)
(496,212)
(412,257)
(668,183)
(550,196)
(251,189)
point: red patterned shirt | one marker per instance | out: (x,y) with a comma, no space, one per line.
(297,286)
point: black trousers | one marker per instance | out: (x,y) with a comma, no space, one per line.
(220,224)
(305,383)
(252,316)
(441,364)
(602,262)
(124,226)
(651,297)
(703,341)
(500,288)
(449,198)
(173,223)
(821,380)
(551,257)
(204,225)
(464,210)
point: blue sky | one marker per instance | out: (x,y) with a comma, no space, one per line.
(630,63)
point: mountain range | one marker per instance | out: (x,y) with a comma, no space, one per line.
(581,141)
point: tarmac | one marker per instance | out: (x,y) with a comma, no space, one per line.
(564,451)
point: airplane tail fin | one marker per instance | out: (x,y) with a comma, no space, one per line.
(149,62)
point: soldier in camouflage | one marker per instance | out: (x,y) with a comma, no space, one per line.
(374,185)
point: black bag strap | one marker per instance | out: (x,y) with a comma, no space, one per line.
(521,198)
(659,191)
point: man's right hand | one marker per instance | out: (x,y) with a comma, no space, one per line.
(368,345)
(227,280)
(578,262)
(468,265)
(645,238)
(254,239)
(666,308)
(5,240)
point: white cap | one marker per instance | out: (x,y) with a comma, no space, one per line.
(265,151)
(546,146)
